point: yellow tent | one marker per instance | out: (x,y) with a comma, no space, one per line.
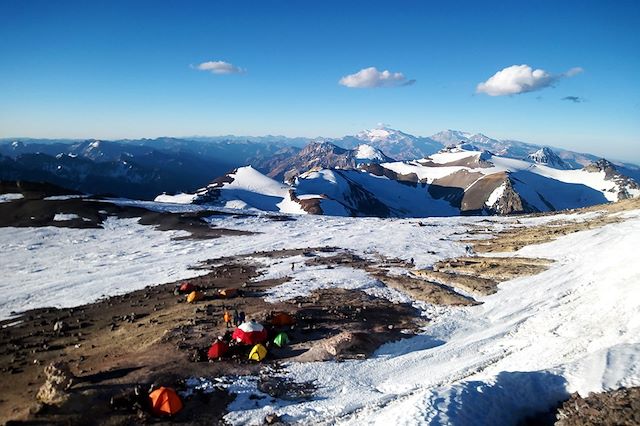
(195,296)
(258,353)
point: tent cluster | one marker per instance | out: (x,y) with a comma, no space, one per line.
(255,336)
(195,294)
(247,334)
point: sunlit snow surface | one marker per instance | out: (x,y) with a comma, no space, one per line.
(65,267)
(574,327)
(6,198)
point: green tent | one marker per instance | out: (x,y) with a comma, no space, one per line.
(281,339)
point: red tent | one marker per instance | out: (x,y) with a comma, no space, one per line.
(250,333)
(187,288)
(217,349)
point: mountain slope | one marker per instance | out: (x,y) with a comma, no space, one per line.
(456,180)
(324,155)
(399,145)
(547,157)
(244,188)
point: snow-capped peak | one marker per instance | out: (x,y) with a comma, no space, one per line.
(549,158)
(367,152)
(461,146)
(454,137)
(382,134)
(451,137)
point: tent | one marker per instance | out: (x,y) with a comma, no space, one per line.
(186,288)
(281,339)
(217,350)
(195,296)
(280,319)
(258,353)
(250,333)
(165,402)
(227,293)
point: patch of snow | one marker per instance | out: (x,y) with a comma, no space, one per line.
(61,217)
(52,266)
(287,205)
(495,195)
(5,198)
(180,198)
(367,152)
(62,197)
(448,157)
(429,174)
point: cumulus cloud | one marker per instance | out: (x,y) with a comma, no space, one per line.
(220,67)
(521,79)
(371,78)
(574,99)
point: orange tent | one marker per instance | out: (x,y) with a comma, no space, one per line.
(194,296)
(280,319)
(165,402)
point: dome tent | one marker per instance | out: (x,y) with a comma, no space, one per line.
(282,319)
(250,333)
(217,349)
(186,288)
(164,402)
(281,339)
(258,353)
(195,296)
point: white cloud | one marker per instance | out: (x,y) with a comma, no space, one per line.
(371,77)
(521,79)
(574,71)
(220,67)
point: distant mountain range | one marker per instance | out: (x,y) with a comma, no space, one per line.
(135,169)
(459,179)
(143,168)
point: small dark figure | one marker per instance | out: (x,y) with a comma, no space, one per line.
(130,400)
(412,261)
(241,317)
(236,318)
(293,266)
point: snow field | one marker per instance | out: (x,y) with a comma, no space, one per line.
(65,267)
(574,327)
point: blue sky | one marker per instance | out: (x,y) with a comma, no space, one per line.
(115,69)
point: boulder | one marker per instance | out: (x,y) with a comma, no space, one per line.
(58,380)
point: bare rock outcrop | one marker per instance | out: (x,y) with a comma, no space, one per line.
(58,381)
(619,407)
(347,344)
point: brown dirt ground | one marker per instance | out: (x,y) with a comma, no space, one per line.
(153,336)
(514,239)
